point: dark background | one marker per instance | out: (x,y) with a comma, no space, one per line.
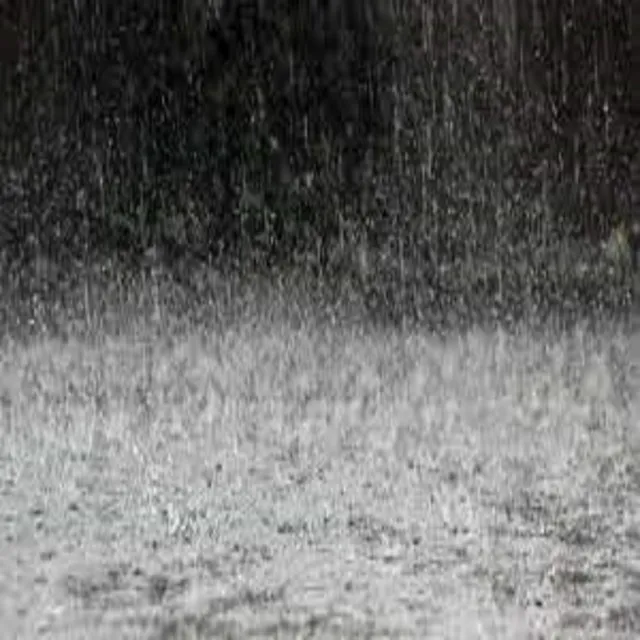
(268,135)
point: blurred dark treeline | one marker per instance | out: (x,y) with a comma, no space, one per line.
(269,133)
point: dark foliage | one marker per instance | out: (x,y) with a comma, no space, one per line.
(249,131)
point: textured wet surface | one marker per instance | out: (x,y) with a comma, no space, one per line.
(285,482)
